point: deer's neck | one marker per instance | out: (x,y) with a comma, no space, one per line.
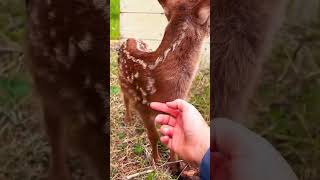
(181,42)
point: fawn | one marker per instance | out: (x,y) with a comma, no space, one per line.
(165,74)
(67,55)
(241,36)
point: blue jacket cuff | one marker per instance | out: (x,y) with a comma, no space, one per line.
(205,167)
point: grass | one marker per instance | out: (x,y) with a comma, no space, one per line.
(114,19)
(287,105)
(12,18)
(130,149)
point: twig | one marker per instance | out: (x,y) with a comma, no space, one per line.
(139,174)
(183,170)
(291,62)
(149,156)
(9,50)
(312,75)
(173,162)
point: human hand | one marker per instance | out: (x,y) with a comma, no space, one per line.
(183,130)
(237,154)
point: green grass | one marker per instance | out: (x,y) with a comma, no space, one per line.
(114,19)
(12,21)
(12,90)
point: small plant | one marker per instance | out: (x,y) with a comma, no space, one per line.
(122,135)
(151,176)
(138,149)
(114,90)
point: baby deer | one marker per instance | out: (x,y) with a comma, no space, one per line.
(166,73)
(241,36)
(67,58)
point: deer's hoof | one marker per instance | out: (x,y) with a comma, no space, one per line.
(175,169)
(156,158)
(127,120)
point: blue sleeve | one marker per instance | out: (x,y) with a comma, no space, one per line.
(205,167)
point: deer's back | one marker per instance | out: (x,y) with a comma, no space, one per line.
(144,82)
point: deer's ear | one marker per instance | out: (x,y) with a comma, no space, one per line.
(202,11)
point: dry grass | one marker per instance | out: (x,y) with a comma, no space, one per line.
(130,150)
(24,148)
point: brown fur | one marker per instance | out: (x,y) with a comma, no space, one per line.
(67,57)
(166,73)
(241,36)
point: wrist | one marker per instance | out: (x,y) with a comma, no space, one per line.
(203,146)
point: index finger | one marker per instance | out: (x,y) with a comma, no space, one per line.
(164,108)
(179,104)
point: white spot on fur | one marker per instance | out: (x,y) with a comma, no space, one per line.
(136,75)
(53,33)
(144,101)
(52,78)
(129,79)
(46,53)
(99,4)
(166,53)
(72,51)
(90,117)
(132,58)
(162,57)
(51,15)
(136,99)
(87,81)
(141,46)
(150,85)
(61,56)
(124,85)
(43,73)
(35,40)
(58,50)
(158,60)
(66,93)
(143,92)
(86,42)
(34,16)
(100,90)
(98,86)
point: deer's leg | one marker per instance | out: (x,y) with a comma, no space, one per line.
(90,141)
(152,133)
(175,167)
(57,139)
(128,115)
